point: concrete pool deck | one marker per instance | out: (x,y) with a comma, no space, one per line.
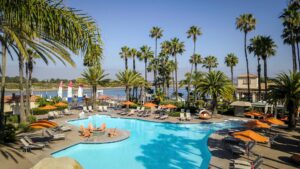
(12,157)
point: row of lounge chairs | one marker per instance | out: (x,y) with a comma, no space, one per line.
(59,114)
(28,144)
(239,164)
(186,117)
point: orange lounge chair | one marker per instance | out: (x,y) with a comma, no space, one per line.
(102,128)
(90,127)
(87,133)
(249,135)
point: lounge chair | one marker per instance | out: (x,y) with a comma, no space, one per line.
(57,114)
(67,112)
(137,109)
(256,165)
(164,117)
(272,139)
(112,133)
(188,116)
(29,140)
(142,109)
(55,136)
(124,113)
(85,109)
(182,117)
(146,114)
(27,147)
(100,108)
(296,158)
(131,112)
(241,148)
(140,114)
(51,115)
(90,108)
(105,108)
(63,128)
(246,163)
(81,115)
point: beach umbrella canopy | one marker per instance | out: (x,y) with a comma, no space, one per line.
(273,120)
(256,124)
(168,106)
(253,113)
(58,163)
(149,104)
(61,104)
(128,103)
(250,135)
(48,107)
(43,124)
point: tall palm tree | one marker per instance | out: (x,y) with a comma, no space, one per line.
(125,53)
(290,21)
(128,78)
(196,59)
(268,49)
(286,87)
(35,29)
(255,47)
(246,23)
(176,47)
(231,60)
(210,62)
(94,76)
(133,53)
(215,84)
(156,33)
(145,54)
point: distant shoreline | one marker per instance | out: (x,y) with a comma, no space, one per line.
(55,89)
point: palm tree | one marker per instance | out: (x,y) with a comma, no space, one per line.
(231,60)
(125,53)
(156,33)
(128,78)
(291,22)
(176,47)
(210,62)
(215,84)
(269,49)
(286,87)
(133,53)
(196,59)
(171,66)
(246,23)
(94,76)
(35,29)
(145,54)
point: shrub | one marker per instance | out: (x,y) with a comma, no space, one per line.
(174,114)
(13,119)
(37,111)
(31,119)
(24,127)
(8,134)
(62,107)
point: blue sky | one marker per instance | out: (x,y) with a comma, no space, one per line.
(129,22)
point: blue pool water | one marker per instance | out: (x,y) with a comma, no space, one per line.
(151,145)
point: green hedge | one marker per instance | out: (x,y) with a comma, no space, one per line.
(37,111)
(174,114)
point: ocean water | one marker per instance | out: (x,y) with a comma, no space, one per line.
(151,145)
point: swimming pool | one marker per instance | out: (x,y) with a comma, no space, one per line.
(151,145)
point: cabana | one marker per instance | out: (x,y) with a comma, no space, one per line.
(239,107)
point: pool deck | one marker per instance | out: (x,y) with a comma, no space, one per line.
(12,157)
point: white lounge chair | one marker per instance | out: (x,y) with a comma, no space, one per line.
(27,147)
(85,109)
(57,114)
(164,117)
(81,115)
(51,115)
(105,108)
(29,140)
(131,112)
(100,108)
(188,116)
(67,112)
(142,109)
(182,117)
(90,109)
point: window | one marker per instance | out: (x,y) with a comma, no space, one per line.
(245,81)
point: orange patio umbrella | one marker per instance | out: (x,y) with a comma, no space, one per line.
(149,104)
(48,107)
(61,104)
(47,121)
(41,125)
(128,103)
(256,124)
(273,120)
(168,106)
(250,135)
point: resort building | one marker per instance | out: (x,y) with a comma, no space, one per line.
(242,87)
(12,103)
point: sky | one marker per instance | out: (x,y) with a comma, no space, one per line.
(129,22)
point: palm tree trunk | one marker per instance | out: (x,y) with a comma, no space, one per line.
(297,45)
(27,98)
(30,81)
(292,111)
(231,70)
(146,69)
(21,67)
(127,93)
(214,104)
(3,83)
(196,69)
(176,85)
(247,65)
(259,77)
(266,77)
(126,63)
(189,85)
(294,58)
(94,95)
(155,71)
